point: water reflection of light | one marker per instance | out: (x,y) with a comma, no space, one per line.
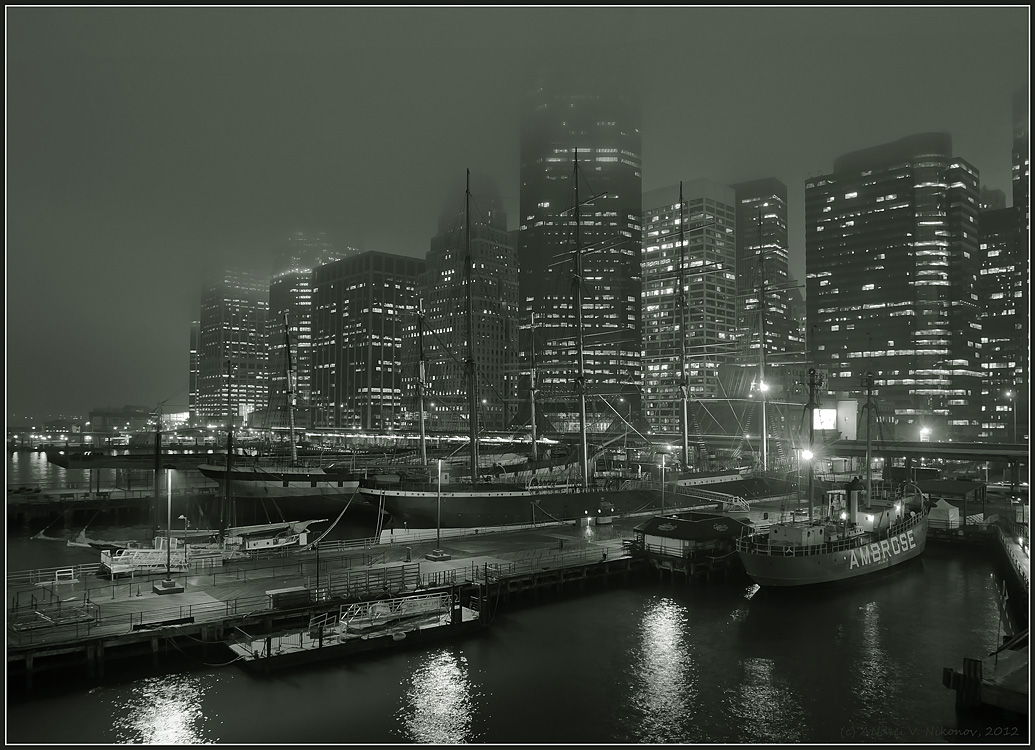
(439,705)
(768,710)
(163,711)
(874,673)
(666,688)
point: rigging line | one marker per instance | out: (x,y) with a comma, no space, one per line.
(631,427)
(328,530)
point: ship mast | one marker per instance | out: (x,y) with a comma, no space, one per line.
(580,380)
(762,387)
(472,392)
(684,375)
(158,463)
(869,450)
(811,407)
(228,496)
(531,394)
(290,391)
(421,383)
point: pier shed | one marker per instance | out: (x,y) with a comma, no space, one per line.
(968,497)
(670,535)
(700,544)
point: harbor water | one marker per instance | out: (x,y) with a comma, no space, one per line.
(669,662)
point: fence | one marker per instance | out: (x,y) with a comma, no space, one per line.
(56,621)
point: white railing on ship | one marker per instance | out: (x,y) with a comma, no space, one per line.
(749,543)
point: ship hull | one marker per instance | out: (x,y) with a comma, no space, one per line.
(500,507)
(775,567)
(296,492)
(283,483)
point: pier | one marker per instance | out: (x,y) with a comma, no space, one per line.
(69,621)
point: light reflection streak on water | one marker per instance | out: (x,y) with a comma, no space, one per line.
(162,711)
(872,671)
(666,687)
(767,708)
(438,706)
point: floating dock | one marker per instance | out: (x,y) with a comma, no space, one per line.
(998,682)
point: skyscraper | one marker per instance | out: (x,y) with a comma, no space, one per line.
(707,321)
(362,305)
(492,281)
(232,330)
(1021,156)
(586,124)
(1004,324)
(762,250)
(291,295)
(194,373)
(891,240)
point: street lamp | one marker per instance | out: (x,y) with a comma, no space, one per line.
(807,455)
(437,553)
(662,484)
(1013,410)
(186,525)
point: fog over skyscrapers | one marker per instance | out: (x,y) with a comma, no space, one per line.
(911,276)
(593,209)
(490,275)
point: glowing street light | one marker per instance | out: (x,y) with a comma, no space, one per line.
(1013,410)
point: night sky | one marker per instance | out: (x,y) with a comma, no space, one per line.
(148,146)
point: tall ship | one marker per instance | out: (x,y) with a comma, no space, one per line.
(304,483)
(538,490)
(856,533)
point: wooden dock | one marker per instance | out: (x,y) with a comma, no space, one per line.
(998,682)
(74,623)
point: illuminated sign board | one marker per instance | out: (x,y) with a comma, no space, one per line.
(824,419)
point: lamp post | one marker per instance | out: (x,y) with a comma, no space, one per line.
(168,527)
(437,553)
(186,525)
(807,455)
(168,585)
(1013,409)
(662,484)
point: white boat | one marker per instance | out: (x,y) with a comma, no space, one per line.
(200,548)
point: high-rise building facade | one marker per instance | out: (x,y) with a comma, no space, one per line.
(762,249)
(362,305)
(232,330)
(892,258)
(290,319)
(699,262)
(194,371)
(491,279)
(1021,171)
(586,125)
(1004,325)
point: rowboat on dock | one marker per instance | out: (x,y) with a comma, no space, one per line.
(361,627)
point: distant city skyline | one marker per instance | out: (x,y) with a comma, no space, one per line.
(147,146)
